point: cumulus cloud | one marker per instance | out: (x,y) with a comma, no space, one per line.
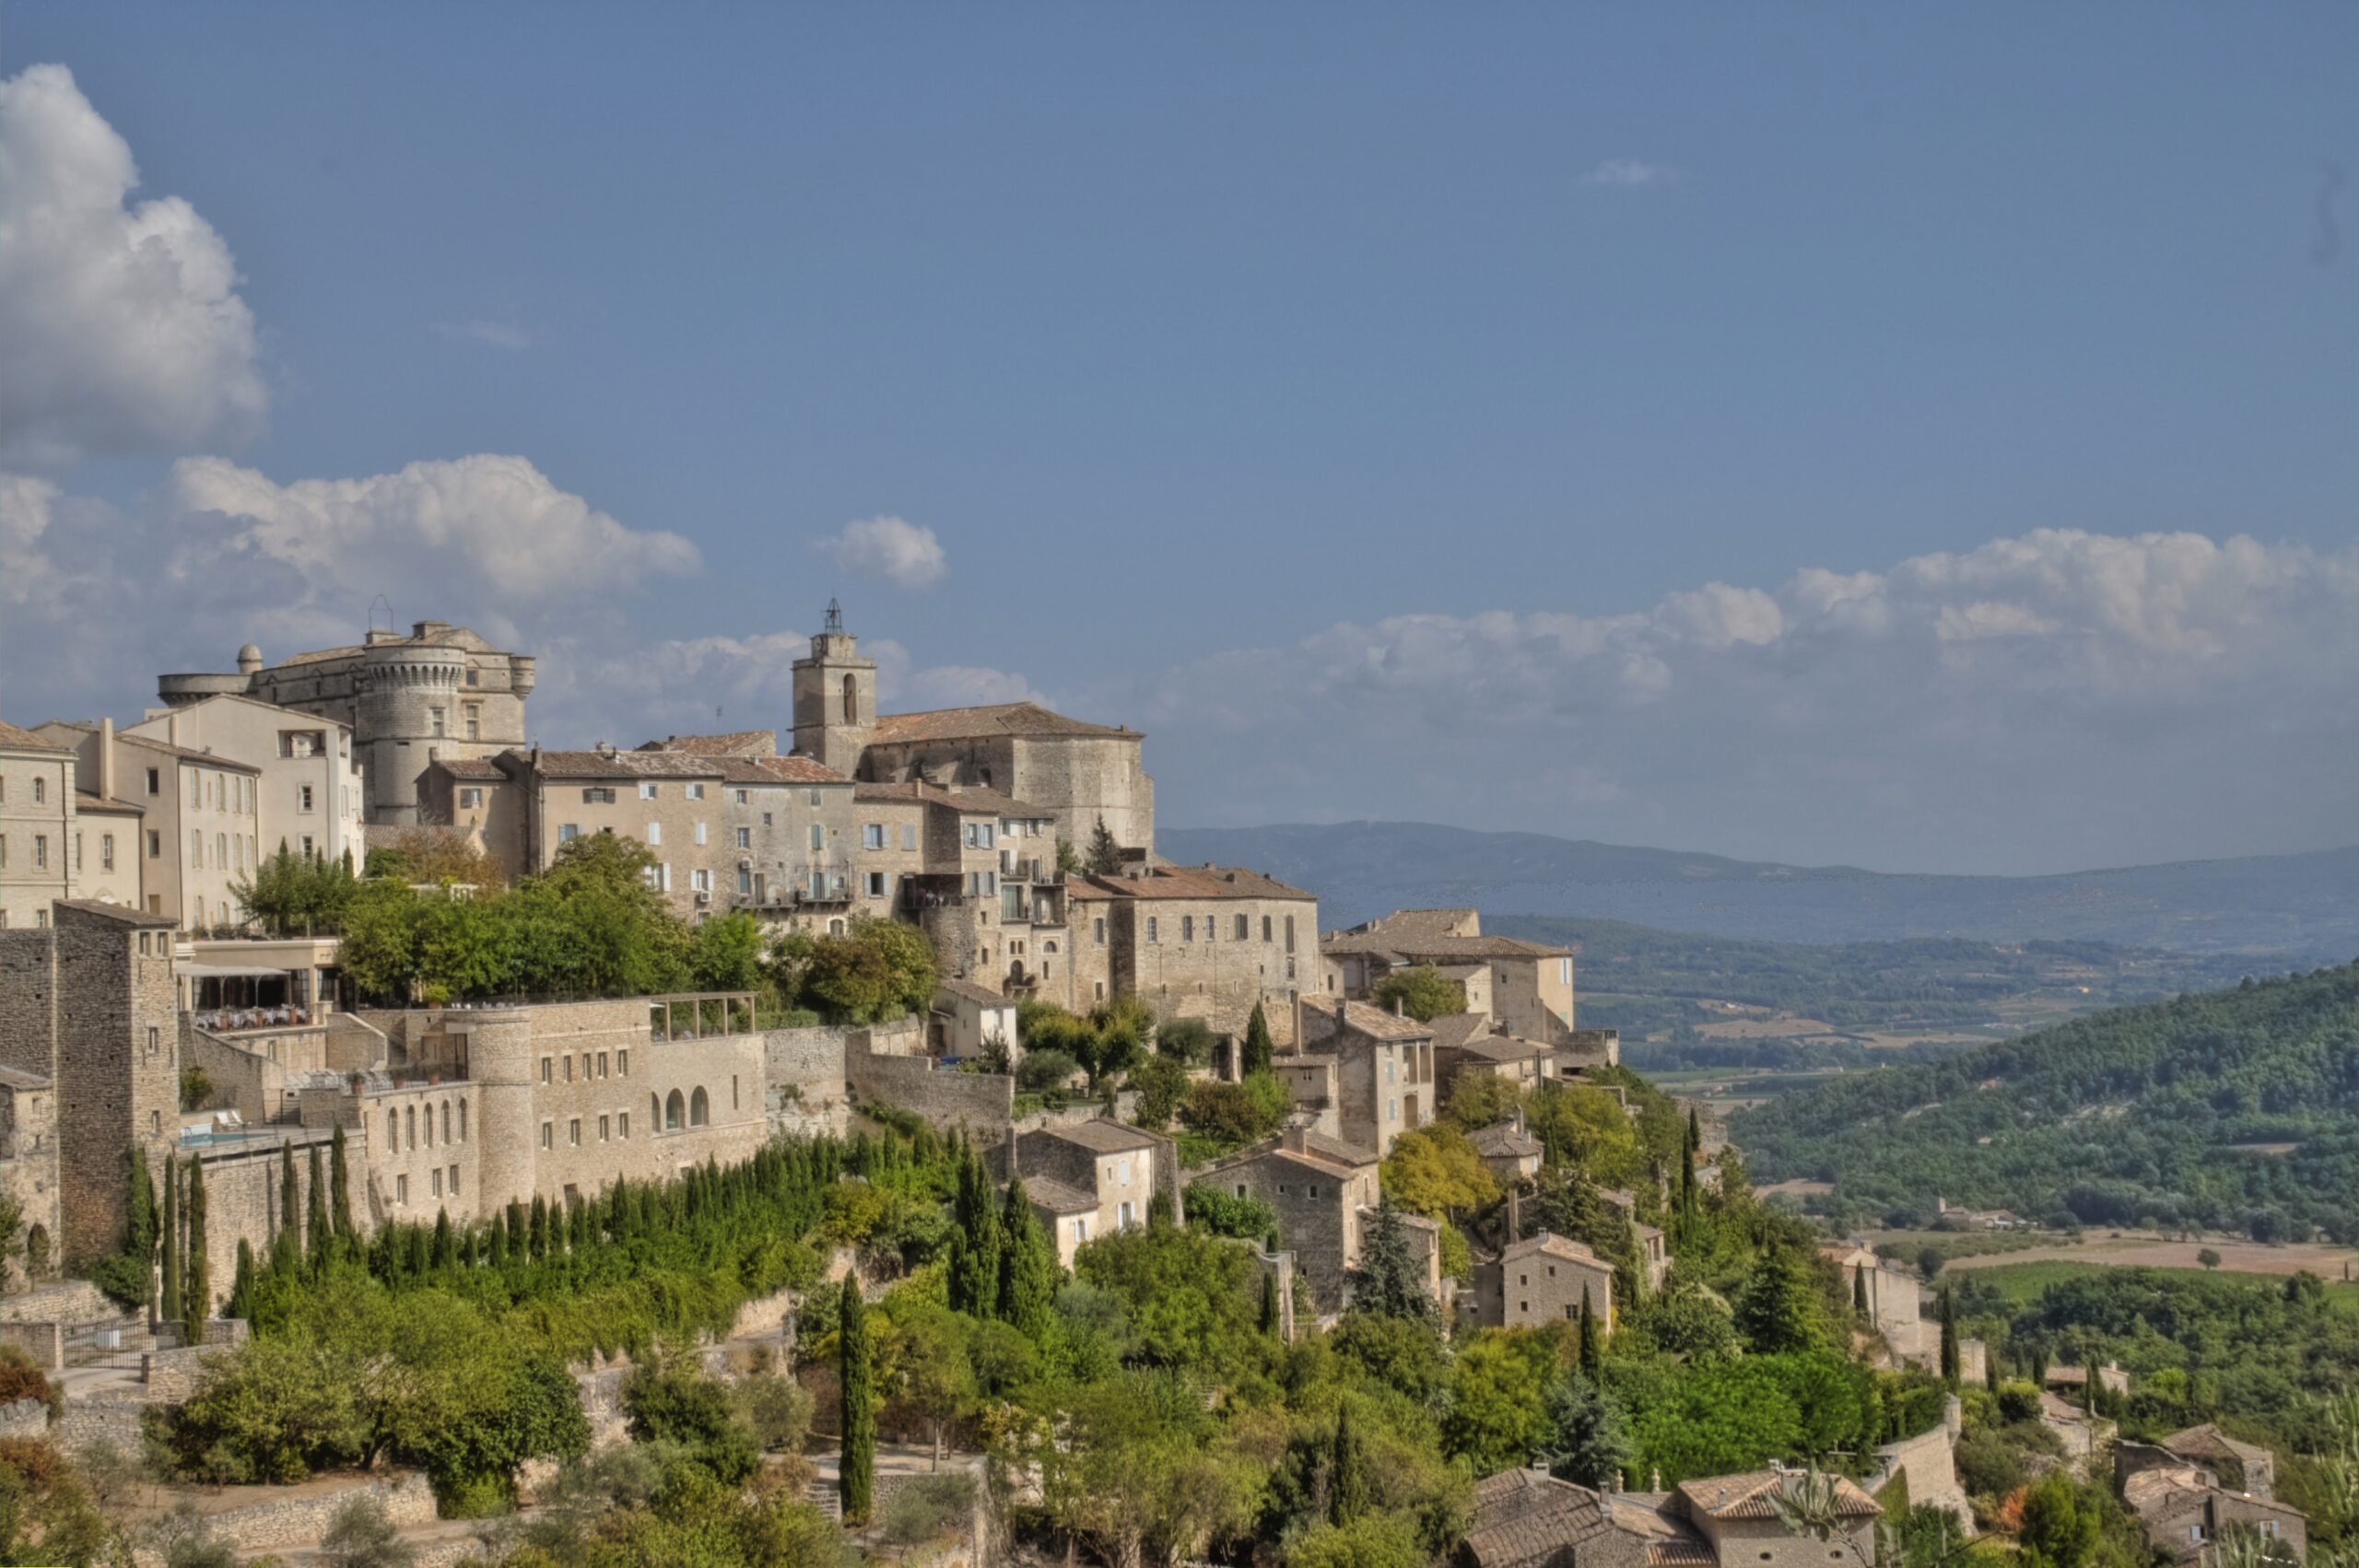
(1629,174)
(2076,698)
(491,334)
(25,505)
(901,553)
(121,328)
(498,520)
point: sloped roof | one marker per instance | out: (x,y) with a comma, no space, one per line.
(1330,1156)
(737,742)
(1747,1496)
(1452,1030)
(1187,882)
(967,990)
(1025,719)
(1361,1019)
(475,770)
(17,740)
(968,800)
(89,801)
(186,754)
(1500,1141)
(1502,1049)
(1056,1197)
(2206,1441)
(1102,1136)
(1549,1243)
(1529,1517)
(797,768)
(617,764)
(1437,949)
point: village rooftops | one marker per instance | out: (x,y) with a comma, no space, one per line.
(1206,881)
(1748,1497)
(186,754)
(967,990)
(1057,1198)
(1548,1244)
(1301,1146)
(1500,1049)
(2208,1443)
(1501,1141)
(1527,1518)
(1452,1030)
(752,743)
(607,763)
(1442,936)
(84,801)
(1028,719)
(123,913)
(1103,1137)
(968,800)
(1361,1018)
(16,740)
(472,771)
(796,769)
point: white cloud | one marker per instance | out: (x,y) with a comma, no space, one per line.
(902,552)
(499,522)
(1629,174)
(2061,698)
(121,329)
(25,505)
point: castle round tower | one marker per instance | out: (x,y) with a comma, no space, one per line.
(499,1064)
(408,707)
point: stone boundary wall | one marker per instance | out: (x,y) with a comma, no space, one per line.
(803,1078)
(251,1083)
(26,1417)
(1927,1460)
(115,1415)
(274,1522)
(982,1102)
(45,1342)
(68,1302)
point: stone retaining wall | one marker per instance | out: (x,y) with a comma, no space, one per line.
(26,1417)
(981,1102)
(45,1342)
(68,1302)
(272,1522)
(1927,1460)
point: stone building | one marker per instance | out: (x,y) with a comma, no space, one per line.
(1197,942)
(2193,1485)
(1091,1179)
(86,1008)
(1325,1193)
(1529,985)
(200,831)
(440,693)
(312,790)
(1527,1518)
(1895,1302)
(1541,1279)
(1384,1073)
(1082,772)
(969,1020)
(35,826)
(1469,1043)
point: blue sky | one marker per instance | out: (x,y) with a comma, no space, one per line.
(1348,394)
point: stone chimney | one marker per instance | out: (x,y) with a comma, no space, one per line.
(105,780)
(1294,1139)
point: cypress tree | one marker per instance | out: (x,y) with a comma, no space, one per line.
(1270,1303)
(540,1242)
(975,1243)
(197,1299)
(1347,1477)
(1859,1289)
(316,1215)
(241,1284)
(1949,1336)
(290,1227)
(1259,1046)
(1105,856)
(139,1218)
(170,1309)
(1593,1345)
(339,1185)
(1027,1270)
(1161,1212)
(446,1245)
(856,1480)
(497,1241)
(420,1258)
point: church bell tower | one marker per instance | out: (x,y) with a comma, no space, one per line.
(835,699)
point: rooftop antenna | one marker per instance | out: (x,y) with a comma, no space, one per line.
(388,603)
(835,617)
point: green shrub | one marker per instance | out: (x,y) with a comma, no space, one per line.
(929,1508)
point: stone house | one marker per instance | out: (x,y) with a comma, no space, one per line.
(200,824)
(1384,1080)
(1199,942)
(1529,988)
(968,1019)
(1325,1193)
(2184,1503)
(1468,1043)
(1528,1519)
(1541,1279)
(441,693)
(37,802)
(313,790)
(1510,1154)
(1092,1178)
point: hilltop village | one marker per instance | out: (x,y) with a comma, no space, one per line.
(325,970)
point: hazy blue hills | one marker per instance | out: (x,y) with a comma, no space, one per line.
(2304,909)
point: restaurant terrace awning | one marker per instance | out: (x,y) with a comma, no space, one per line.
(228,972)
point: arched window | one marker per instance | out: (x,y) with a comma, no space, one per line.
(700,1108)
(409,1120)
(463,1122)
(446,1121)
(429,1127)
(37,1251)
(835,928)
(674,1109)
(392,1130)
(852,700)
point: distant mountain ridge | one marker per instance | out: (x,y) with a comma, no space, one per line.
(2302,908)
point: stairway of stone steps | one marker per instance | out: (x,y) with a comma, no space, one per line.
(821,1494)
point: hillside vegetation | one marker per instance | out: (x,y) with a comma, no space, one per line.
(2237,1109)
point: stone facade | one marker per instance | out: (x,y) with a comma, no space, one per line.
(200,828)
(1196,941)
(87,1006)
(36,827)
(1319,1187)
(1384,1075)
(1089,1179)
(441,692)
(1540,1281)
(311,787)
(1527,987)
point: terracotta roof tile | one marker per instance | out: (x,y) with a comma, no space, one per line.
(737,742)
(1359,1018)
(17,740)
(969,799)
(1001,719)
(1747,1496)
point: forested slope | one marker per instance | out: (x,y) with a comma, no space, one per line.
(2179,1111)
